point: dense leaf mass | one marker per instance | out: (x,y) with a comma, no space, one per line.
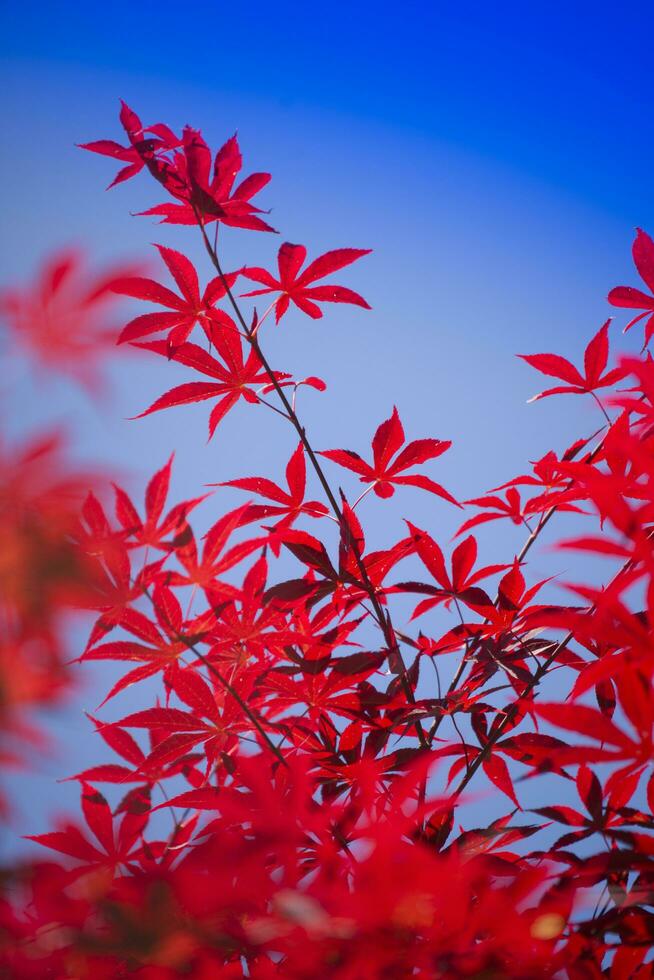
(301,797)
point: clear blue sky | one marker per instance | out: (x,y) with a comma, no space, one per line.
(495,157)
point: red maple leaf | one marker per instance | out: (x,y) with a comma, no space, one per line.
(296,286)
(287,504)
(251,628)
(115,849)
(510,507)
(460,584)
(635,299)
(157,525)
(595,360)
(615,744)
(216,558)
(345,584)
(138,770)
(231,379)
(161,645)
(384,472)
(325,690)
(208,193)
(187,310)
(162,140)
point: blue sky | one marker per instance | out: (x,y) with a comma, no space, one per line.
(496,159)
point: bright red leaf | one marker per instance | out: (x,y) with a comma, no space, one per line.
(297,287)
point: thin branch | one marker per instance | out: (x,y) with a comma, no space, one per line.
(382,617)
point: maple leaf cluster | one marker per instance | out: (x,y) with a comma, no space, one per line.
(319,758)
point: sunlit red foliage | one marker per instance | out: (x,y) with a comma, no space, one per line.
(320,765)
